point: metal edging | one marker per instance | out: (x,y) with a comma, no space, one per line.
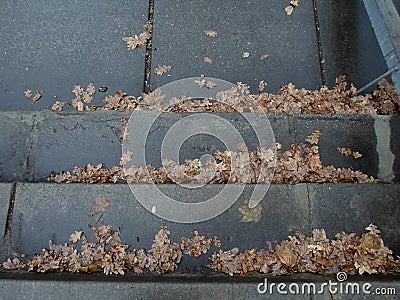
(385,21)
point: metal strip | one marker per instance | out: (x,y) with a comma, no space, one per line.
(386,23)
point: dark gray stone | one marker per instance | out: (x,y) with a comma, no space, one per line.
(243,26)
(348,42)
(176,286)
(354,132)
(52,46)
(15,143)
(67,140)
(51,211)
(352,207)
(5,193)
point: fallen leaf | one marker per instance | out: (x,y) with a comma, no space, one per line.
(28,94)
(137,40)
(262,85)
(264,56)
(162,69)
(36,97)
(101,204)
(208,59)
(357,154)
(345,151)
(126,157)
(76,236)
(211,33)
(289,10)
(314,137)
(204,83)
(246,54)
(250,214)
(58,106)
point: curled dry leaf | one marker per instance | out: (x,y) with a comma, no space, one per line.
(211,33)
(245,54)
(36,97)
(208,59)
(58,106)
(348,152)
(162,69)
(101,204)
(262,85)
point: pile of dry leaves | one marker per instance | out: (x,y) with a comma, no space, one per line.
(290,100)
(316,254)
(301,163)
(299,254)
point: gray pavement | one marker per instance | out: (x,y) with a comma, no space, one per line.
(53,46)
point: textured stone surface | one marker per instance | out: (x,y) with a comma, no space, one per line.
(15,133)
(51,46)
(352,207)
(348,42)
(5,192)
(243,26)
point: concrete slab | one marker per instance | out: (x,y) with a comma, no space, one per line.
(15,136)
(52,46)
(243,26)
(348,42)
(51,211)
(354,132)
(67,140)
(352,207)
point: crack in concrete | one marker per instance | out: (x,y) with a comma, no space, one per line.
(149,49)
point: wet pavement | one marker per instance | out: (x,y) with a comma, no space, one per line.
(53,46)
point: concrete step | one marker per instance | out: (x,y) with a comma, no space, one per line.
(42,211)
(19,285)
(34,144)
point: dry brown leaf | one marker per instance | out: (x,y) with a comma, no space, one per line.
(162,69)
(58,106)
(208,59)
(345,151)
(289,10)
(250,214)
(36,97)
(262,85)
(28,94)
(357,154)
(245,54)
(204,83)
(101,204)
(126,157)
(264,56)
(76,236)
(211,33)
(137,40)
(314,137)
